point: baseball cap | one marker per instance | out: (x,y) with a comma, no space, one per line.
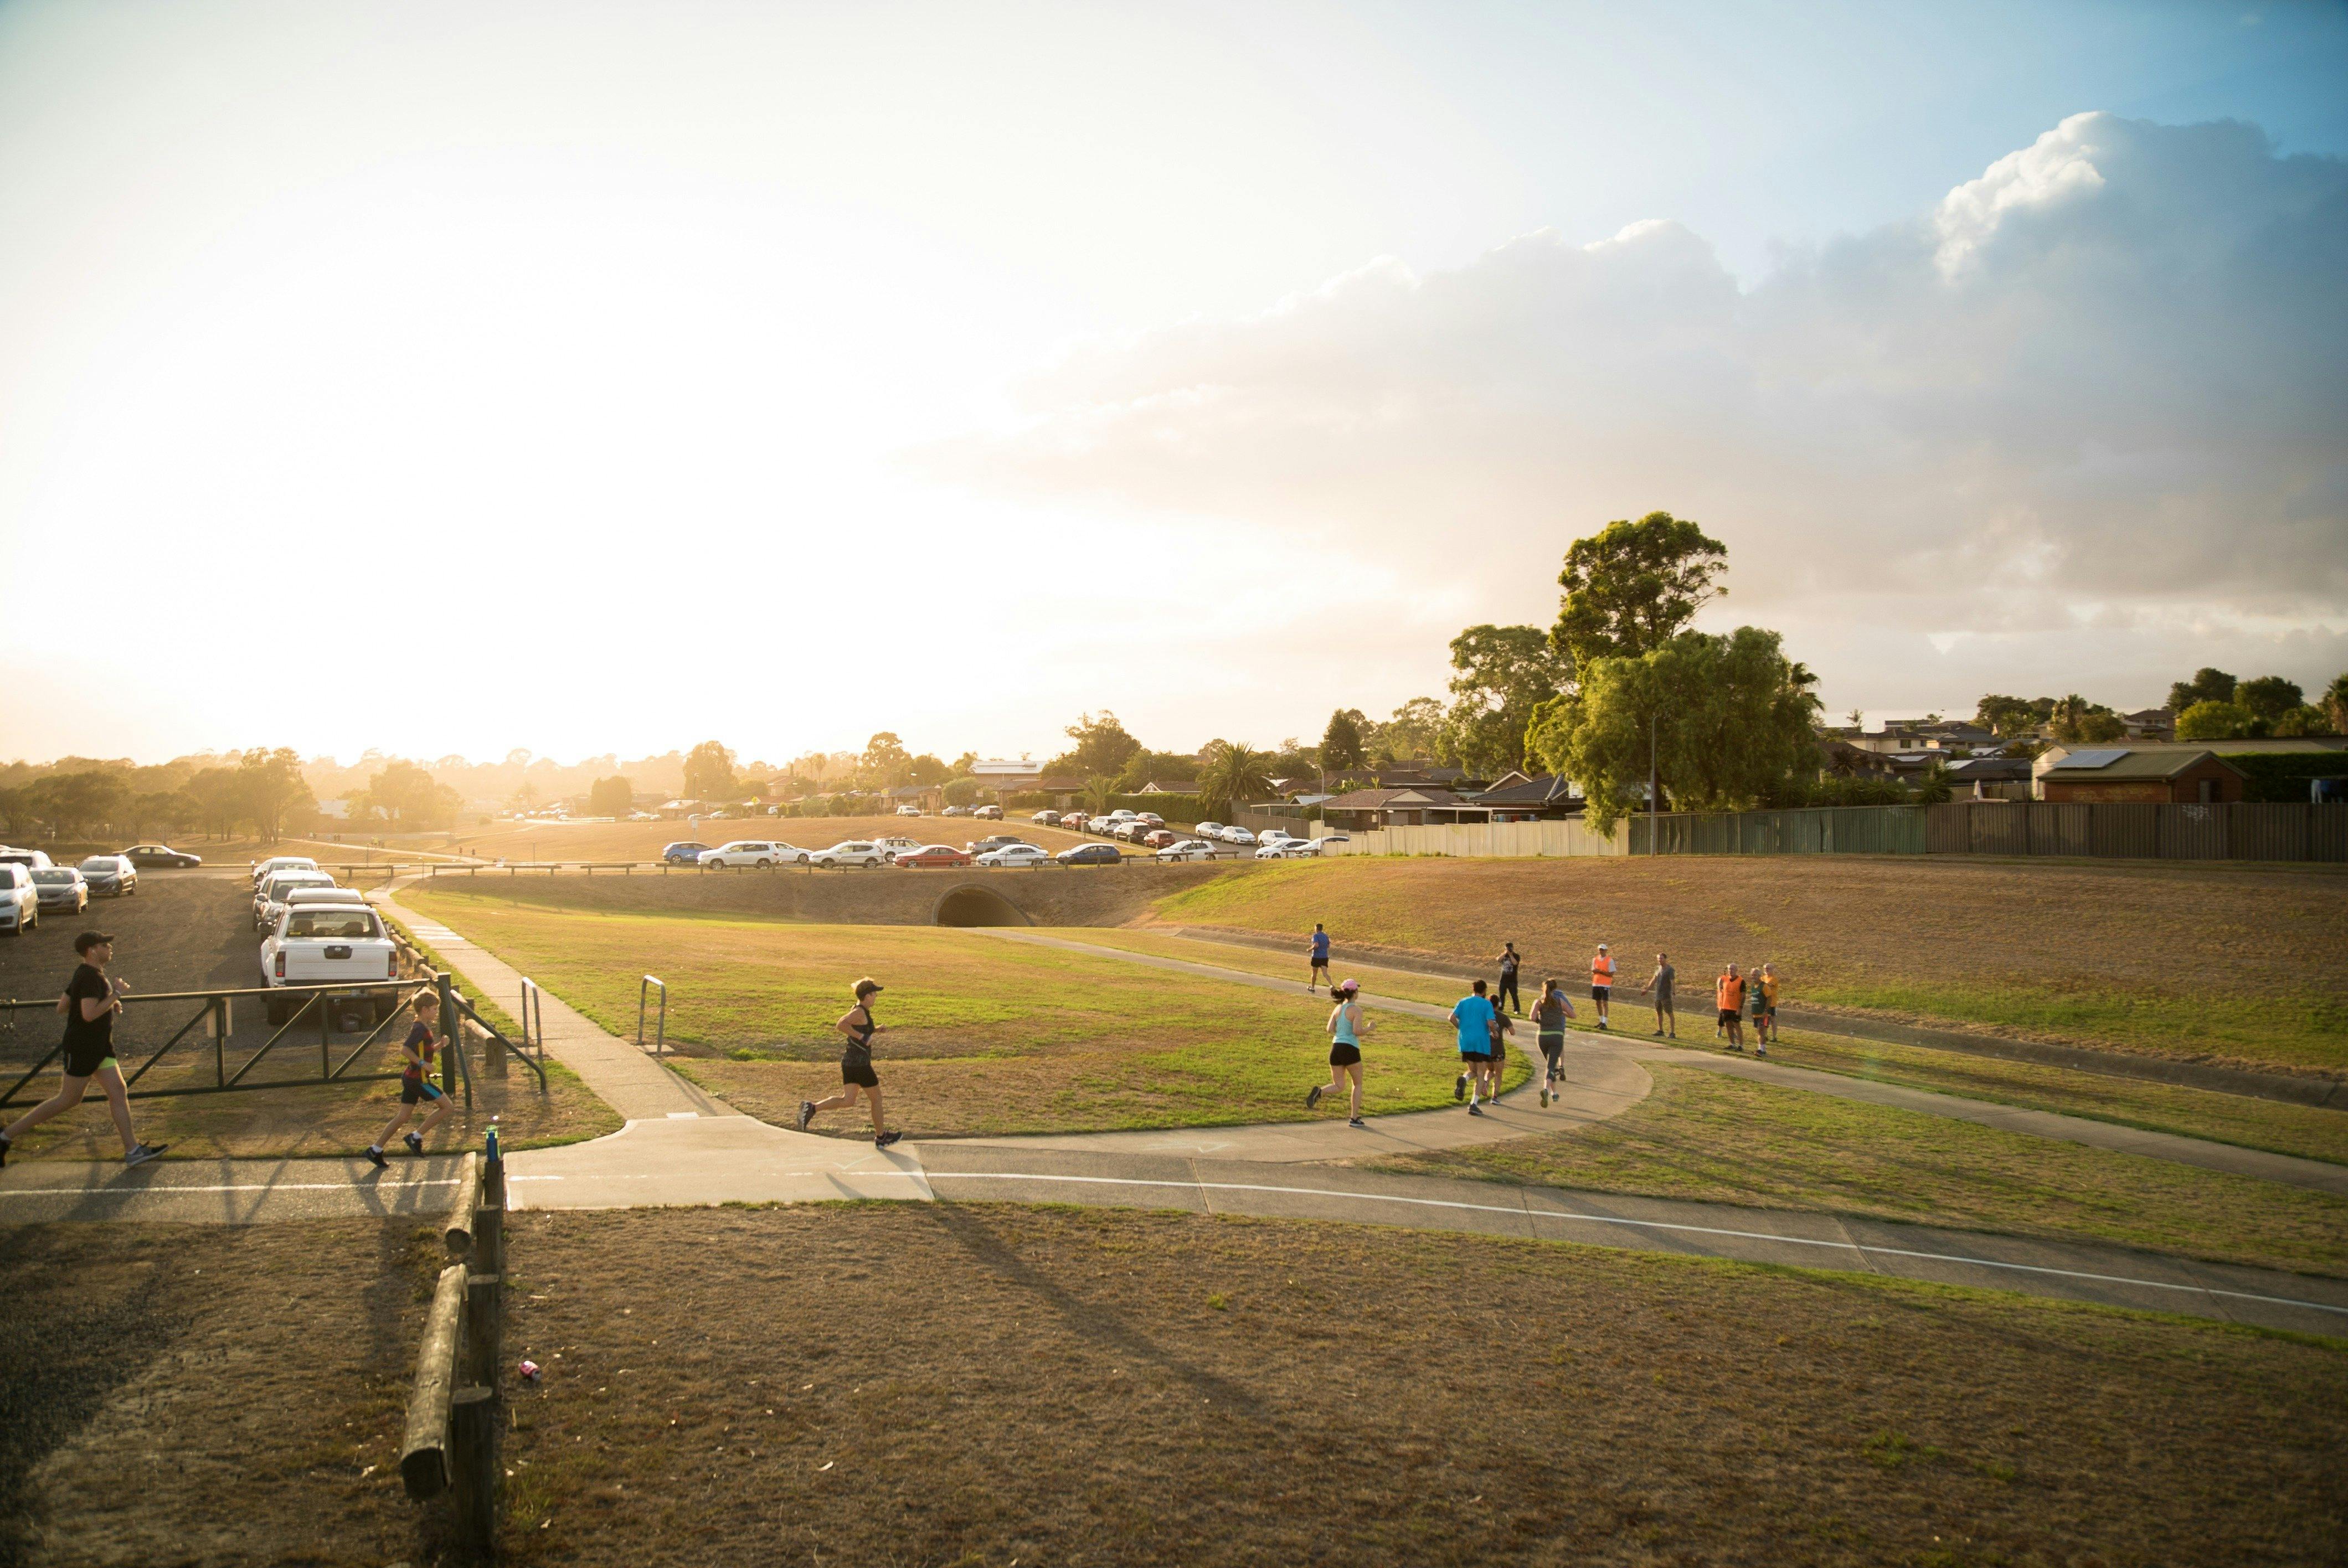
(88,940)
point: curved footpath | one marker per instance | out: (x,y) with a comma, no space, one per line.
(680,1146)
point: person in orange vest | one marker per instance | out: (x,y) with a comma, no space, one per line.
(1728,995)
(1601,982)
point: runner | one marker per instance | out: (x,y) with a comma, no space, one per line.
(89,1004)
(1346,1027)
(1601,982)
(1765,1010)
(1756,997)
(415,1082)
(1550,1010)
(1478,1023)
(1503,1026)
(1320,961)
(1660,982)
(1506,994)
(856,1074)
(1728,995)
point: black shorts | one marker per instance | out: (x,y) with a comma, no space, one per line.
(1476,1058)
(84,1061)
(1343,1055)
(1321,962)
(1729,1014)
(859,1072)
(1600,993)
(414,1091)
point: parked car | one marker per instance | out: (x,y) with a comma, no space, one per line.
(987,813)
(1208,830)
(1239,836)
(1101,825)
(935,855)
(111,876)
(897,845)
(30,860)
(1188,849)
(1133,832)
(1046,818)
(1015,854)
(1284,849)
(160,855)
(1159,837)
(269,902)
(1321,844)
(908,811)
(60,888)
(1072,819)
(956,810)
(753,852)
(304,898)
(277,863)
(330,944)
(852,852)
(1153,819)
(20,903)
(993,842)
(1090,855)
(684,852)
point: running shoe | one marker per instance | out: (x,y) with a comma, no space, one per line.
(414,1142)
(1760,1050)
(1474,1110)
(375,1158)
(144,1152)
(885,1139)
(807,1113)
(1459,1087)
(1544,1096)
(1659,1034)
(1357,1122)
(1312,1096)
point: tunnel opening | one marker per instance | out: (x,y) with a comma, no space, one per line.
(977,907)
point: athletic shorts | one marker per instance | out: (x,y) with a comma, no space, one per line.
(88,1060)
(1600,993)
(1321,962)
(858,1073)
(1729,1014)
(415,1090)
(1476,1056)
(1343,1055)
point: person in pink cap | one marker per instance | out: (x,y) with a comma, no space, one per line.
(1346,1027)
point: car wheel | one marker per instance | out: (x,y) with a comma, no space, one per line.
(764,864)
(275,1012)
(828,864)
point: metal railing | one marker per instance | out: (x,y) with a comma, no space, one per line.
(660,1037)
(449,1443)
(533,999)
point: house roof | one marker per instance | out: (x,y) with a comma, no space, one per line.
(1518,789)
(1388,799)
(1170,786)
(2096,764)
(1990,770)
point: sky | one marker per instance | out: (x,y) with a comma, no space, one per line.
(604,378)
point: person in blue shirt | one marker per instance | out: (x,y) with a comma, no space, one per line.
(1480,1031)
(1320,962)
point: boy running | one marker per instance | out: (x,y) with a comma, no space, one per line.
(1550,1010)
(1728,994)
(856,1074)
(1346,1027)
(89,1004)
(1320,961)
(1478,1022)
(415,1082)
(1506,996)
(1660,982)
(1601,982)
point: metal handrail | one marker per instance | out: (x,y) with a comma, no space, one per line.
(659,1039)
(532,993)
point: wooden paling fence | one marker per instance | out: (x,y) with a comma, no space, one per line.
(451,1446)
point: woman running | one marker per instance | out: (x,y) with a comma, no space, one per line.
(1346,1026)
(856,1074)
(1550,1010)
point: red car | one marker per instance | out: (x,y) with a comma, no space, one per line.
(935,855)
(1160,838)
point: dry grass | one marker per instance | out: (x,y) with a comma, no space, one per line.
(2215,962)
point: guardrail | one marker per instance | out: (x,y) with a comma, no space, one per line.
(450,1442)
(659,1039)
(532,996)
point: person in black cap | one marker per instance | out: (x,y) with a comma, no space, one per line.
(856,1074)
(89,1004)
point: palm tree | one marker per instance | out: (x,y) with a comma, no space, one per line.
(1235,776)
(1097,794)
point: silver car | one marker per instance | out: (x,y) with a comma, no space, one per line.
(61,888)
(111,876)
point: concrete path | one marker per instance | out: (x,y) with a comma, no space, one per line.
(2317,1175)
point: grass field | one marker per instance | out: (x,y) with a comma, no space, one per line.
(2311,1131)
(2202,961)
(982,1383)
(643,840)
(1704,1135)
(984,1036)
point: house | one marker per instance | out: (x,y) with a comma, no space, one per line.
(1170,786)
(1990,778)
(1933,735)
(921,797)
(2150,724)
(2156,774)
(1367,808)
(1528,797)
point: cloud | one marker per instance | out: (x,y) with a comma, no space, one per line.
(2106,381)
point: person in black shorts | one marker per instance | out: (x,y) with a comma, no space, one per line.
(89,1004)
(1660,982)
(1550,1010)
(415,1087)
(1345,1028)
(856,1075)
(1506,995)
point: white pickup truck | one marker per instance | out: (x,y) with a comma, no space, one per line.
(343,945)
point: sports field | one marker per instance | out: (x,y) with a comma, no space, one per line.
(2204,961)
(985,1035)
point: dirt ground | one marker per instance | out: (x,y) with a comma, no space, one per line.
(968,1384)
(194,932)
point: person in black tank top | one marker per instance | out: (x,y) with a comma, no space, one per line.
(856,1075)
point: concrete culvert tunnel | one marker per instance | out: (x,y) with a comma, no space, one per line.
(972,906)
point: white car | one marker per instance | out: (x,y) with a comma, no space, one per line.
(20,905)
(1239,836)
(988,814)
(853,852)
(276,863)
(269,902)
(1207,830)
(330,944)
(1188,849)
(1279,835)
(1015,854)
(753,852)
(893,847)
(908,811)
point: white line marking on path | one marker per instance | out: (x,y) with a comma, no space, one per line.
(351,1185)
(1644,1224)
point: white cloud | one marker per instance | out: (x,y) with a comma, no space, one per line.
(2112,372)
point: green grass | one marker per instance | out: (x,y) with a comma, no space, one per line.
(1704,1135)
(984,1035)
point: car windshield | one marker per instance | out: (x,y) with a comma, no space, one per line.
(98,863)
(66,876)
(281,886)
(341,924)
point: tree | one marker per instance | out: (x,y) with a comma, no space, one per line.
(2208,685)
(708,772)
(1102,747)
(1233,776)
(2214,721)
(2302,721)
(1410,733)
(613,796)
(2076,721)
(884,762)
(406,794)
(2010,718)
(963,790)
(1502,674)
(270,789)
(75,800)
(1343,744)
(1147,766)
(2335,704)
(1098,791)
(219,805)
(2269,697)
(926,771)
(1633,587)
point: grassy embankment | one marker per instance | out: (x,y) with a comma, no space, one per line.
(984,1036)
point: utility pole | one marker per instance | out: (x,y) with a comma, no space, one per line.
(1655,795)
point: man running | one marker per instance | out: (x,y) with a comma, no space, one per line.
(89,1004)
(422,1043)
(1728,995)
(1346,1027)
(856,1074)
(1320,961)
(1506,996)
(1660,982)
(1478,1022)
(1764,1010)
(1601,982)
(1550,1010)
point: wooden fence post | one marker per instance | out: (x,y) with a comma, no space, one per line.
(473,1444)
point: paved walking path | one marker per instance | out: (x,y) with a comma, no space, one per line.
(681,1147)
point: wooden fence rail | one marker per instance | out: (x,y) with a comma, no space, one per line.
(450,1442)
